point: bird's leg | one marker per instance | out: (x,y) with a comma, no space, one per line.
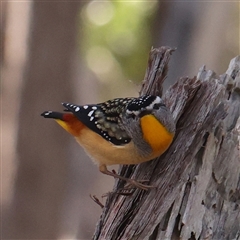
(103,169)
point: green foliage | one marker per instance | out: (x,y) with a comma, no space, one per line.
(116,38)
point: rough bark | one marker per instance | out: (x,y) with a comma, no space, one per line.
(197,180)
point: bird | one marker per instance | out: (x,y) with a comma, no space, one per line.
(124,131)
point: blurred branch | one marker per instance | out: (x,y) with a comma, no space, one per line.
(197,179)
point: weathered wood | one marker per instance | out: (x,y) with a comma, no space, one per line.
(156,71)
(197,180)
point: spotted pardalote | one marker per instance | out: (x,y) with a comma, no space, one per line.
(119,131)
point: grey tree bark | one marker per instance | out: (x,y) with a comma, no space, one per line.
(197,180)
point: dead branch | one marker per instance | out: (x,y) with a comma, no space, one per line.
(198,178)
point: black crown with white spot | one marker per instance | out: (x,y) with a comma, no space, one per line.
(105,118)
(143,105)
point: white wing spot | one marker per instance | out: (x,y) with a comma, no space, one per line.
(47,113)
(90,113)
(77,109)
(85,107)
(91,118)
(94,108)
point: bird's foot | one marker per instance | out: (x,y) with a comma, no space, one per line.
(138,184)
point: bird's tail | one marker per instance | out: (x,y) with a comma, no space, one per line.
(66,120)
(54,115)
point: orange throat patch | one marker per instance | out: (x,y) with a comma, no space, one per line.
(155,134)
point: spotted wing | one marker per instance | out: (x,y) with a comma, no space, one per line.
(104,119)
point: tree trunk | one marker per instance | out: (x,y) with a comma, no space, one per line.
(36,209)
(197,180)
(198,30)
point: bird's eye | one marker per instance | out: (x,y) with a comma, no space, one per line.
(131,116)
(156,106)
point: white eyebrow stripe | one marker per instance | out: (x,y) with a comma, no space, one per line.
(157,100)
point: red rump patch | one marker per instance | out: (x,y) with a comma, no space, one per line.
(67,117)
(67,120)
(75,126)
